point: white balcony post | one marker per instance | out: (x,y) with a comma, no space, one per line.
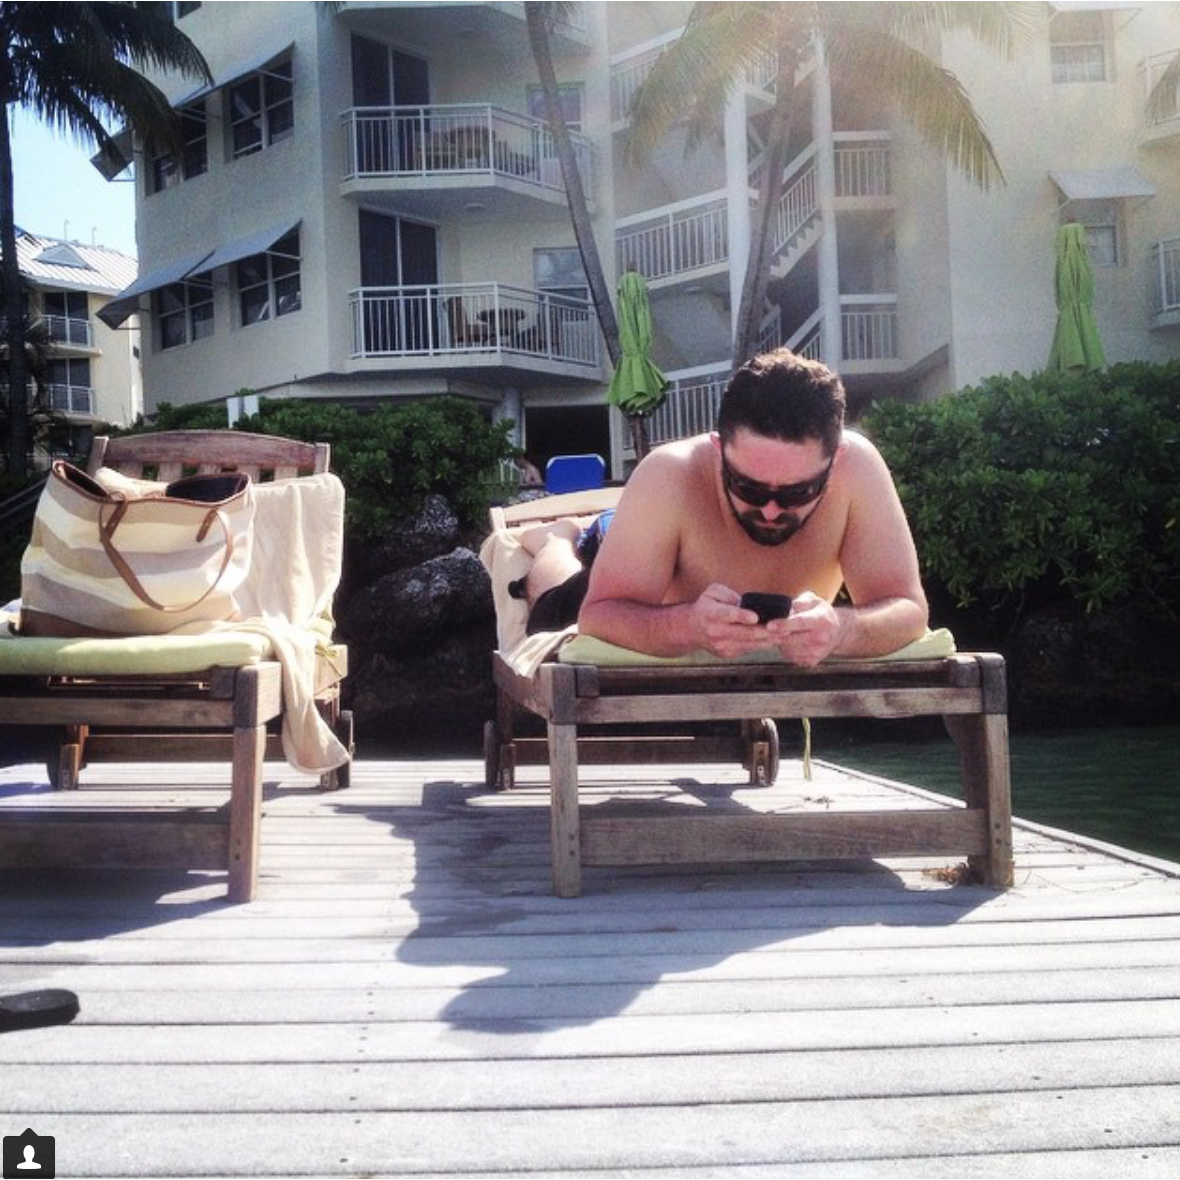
(825,185)
(737,201)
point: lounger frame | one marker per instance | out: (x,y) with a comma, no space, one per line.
(584,706)
(219,714)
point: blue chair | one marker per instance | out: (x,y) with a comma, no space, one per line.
(574,473)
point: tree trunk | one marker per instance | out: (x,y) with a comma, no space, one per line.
(571,176)
(770,191)
(14,311)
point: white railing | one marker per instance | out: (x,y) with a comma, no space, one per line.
(868,327)
(797,206)
(863,164)
(687,237)
(68,330)
(1154,68)
(805,340)
(464,139)
(1167,262)
(490,318)
(691,404)
(770,332)
(626,77)
(71,399)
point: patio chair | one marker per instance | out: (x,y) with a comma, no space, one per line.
(465,334)
(577,684)
(207,697)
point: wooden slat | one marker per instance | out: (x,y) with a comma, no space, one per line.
(602,751)
(234,448)
(735,706)
(101,839)
(720,838)
(178,747)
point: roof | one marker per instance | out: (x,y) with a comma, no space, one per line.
(53,262)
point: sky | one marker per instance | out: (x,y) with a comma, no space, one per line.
(56,184)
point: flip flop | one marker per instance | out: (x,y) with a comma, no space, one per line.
(37,1009)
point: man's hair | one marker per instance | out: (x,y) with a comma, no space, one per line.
(784,396)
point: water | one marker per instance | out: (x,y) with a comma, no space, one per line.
(1119,784)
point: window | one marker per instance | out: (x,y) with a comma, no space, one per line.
(166,169)
(559,271)
(1101,222)
(571,104)
(184,311)
(1079,47)
(67,317)
(262,109)
(268,284)
(69,386)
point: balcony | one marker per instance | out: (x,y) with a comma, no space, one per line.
(436,156)
(71,399)
(69,332)
(691,404)
(688,240)
(479,325)
(868,334)
(1166,288)
(1163,121)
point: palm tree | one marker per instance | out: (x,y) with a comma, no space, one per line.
(76,67)
(541,16)
(878,42)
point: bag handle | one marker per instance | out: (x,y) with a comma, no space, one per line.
(106,534)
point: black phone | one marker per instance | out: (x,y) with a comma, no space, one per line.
(766,606)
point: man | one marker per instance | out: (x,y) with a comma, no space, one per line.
(782,499)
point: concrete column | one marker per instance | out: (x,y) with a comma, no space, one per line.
(511,406)
(825,192)
(737,195)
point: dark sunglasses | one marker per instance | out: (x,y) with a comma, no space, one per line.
(788,495)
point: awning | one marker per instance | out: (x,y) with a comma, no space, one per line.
(126,303)
(240,71)
(1102,184)
(244,247)
(115,159)
(111,164)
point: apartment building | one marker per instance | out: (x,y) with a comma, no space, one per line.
(94,370)
(368,206)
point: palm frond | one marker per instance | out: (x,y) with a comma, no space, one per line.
(696,74)
(928,96)
(1002,26)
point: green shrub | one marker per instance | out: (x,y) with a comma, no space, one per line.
(390,458)
(1026,491)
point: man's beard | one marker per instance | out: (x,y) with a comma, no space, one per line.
(763,532)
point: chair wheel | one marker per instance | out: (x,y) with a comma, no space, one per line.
(764,753)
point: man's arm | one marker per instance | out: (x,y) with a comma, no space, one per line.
(880,568)
(625,605)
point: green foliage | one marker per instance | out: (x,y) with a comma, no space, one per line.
(1026,491)
(390,458)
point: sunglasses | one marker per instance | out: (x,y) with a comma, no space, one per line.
(788,495)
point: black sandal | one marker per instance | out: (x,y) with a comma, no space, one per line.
(37,1009)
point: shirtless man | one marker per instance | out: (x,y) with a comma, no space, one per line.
(781,498)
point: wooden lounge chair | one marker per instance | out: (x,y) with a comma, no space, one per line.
(195,711)
(967,690)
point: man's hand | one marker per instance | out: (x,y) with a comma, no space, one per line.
(723,628)
(810,633)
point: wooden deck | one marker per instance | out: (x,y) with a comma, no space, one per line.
(406,997)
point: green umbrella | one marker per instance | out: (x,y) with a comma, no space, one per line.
(637,387)
(1076,346)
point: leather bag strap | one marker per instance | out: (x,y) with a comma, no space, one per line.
(106,531)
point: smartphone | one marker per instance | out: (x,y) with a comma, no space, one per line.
(766,606)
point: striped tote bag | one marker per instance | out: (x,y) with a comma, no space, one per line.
(135,557)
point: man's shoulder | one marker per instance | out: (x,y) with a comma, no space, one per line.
(681,455)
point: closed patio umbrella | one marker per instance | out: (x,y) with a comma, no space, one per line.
(637,387)
(1076,346)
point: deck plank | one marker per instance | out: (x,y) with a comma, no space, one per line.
(407,997)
